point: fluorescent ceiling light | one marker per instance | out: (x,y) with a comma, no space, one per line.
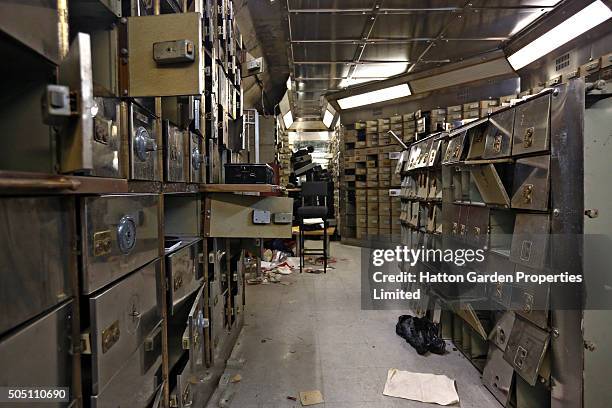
(288,119)
(581,22)
(328,118)
(381,95)
(374,72)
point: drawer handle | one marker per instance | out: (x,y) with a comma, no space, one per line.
(126,234)
(528,138)
(149,344)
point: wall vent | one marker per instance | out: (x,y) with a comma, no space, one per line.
(562,62)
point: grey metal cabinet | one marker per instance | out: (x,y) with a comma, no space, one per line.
(37,241)
(119,234)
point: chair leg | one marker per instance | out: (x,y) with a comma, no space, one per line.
(325,246)
(301,245)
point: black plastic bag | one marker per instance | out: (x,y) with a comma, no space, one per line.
(421,334)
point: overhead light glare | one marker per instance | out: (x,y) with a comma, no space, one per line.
(328,118)
(581,22)
(289,83)
(288,119)
(380,95)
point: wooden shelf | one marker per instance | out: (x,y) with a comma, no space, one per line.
(241,188)
(27,183)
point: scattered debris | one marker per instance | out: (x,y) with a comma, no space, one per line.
(313,270)
(311,397)
(236,379)
(421,334)
(431,388)
(292,398)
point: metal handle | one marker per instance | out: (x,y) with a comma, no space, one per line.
(149,343)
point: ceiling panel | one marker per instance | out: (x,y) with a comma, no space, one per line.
(409,25)
(307,26)
(407,51)
(415,4)
(329,4)
(323,52)
(321,71)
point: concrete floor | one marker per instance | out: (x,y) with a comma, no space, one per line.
(312,334)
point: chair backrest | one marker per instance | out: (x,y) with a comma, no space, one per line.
(316,189)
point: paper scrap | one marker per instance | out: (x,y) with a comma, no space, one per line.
(235,379)
(311,397)
(431,388)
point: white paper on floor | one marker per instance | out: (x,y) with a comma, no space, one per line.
(432,388)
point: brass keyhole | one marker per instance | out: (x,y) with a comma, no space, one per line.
(528,138)
(497,144)
(527,193)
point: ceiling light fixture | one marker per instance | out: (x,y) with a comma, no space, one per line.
(380,95)
(288,119)
(328,118)
(581,22)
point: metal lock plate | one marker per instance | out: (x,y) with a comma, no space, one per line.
(498,135)
(530,240)
(454,150)
(478,225)
(531,127)
(526,348)
(110,336)
(502,329)
(532,183)
(102,243)
(173,52)
(532,301)
(174,148)
(497,375)
(261,217)
(283,218)
(143,142)
(476,139)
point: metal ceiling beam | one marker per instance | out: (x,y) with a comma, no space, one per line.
(387,41)
(382,10)
(370,62)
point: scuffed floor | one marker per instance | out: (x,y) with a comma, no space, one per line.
(313,335)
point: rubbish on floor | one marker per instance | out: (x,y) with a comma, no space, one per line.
(292,398)
(313,270)
(421,334)
(255,281)
(311,397)
(431,388)
(235,379)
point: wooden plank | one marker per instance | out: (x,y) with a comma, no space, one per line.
(241,188)
(25,183)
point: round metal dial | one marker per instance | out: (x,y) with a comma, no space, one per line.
(126,234)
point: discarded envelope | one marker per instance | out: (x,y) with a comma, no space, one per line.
(432,388)
(311,397)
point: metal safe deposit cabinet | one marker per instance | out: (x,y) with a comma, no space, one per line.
(119,280)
